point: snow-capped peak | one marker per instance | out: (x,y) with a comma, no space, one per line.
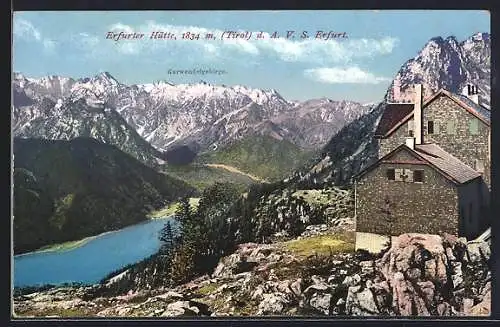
(106,78)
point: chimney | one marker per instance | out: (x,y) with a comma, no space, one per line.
(471,92)
(396,89)
(417,114)
(410,142)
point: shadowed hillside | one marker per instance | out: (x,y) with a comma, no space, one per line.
(66,190)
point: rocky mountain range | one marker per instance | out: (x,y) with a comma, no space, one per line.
(201,115)
(450,64)
(57,108)
(147,119)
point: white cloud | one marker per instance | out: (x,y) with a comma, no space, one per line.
(351,75)
(330,51)
(307,50)
(24,29)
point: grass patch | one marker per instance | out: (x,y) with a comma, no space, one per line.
(218,304)
(171,208)
(200,176)
(289,271)
(322,245)
(208,288)
(262,156)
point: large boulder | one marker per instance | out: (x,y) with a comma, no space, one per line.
(272,304)
(361,302)
(432,274)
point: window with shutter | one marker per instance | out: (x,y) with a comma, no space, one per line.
(474,126)
(418,176)
(430,127)
(391,174)
(450,127)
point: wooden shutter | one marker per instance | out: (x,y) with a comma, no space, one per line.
(430,127)
(474,126)
(398,173)
(450,127)
(418,176)
(390,174)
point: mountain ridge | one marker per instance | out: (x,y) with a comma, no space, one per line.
(203,114)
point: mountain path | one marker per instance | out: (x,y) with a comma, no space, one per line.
(237,171)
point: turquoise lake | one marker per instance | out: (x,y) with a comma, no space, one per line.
(92,261)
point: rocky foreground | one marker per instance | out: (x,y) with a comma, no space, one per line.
(424,275)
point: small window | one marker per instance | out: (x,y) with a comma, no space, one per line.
(430,127)
(391,175)
(403,175)
(474,126)
(418,176)
(407,175)
(450,127)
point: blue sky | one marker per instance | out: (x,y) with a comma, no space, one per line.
(359,67)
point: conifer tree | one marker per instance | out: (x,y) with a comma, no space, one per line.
(166,238)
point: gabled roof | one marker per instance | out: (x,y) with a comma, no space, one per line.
(393,113)
(447,163)
(477,110)
(434,156)
(397,114)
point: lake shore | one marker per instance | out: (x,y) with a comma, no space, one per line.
(70,245)
(171,208)
(66,246)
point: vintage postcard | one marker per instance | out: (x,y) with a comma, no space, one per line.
(251,163)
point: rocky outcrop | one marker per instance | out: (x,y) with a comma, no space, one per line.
(288,213)
(421,275)
(426,275)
